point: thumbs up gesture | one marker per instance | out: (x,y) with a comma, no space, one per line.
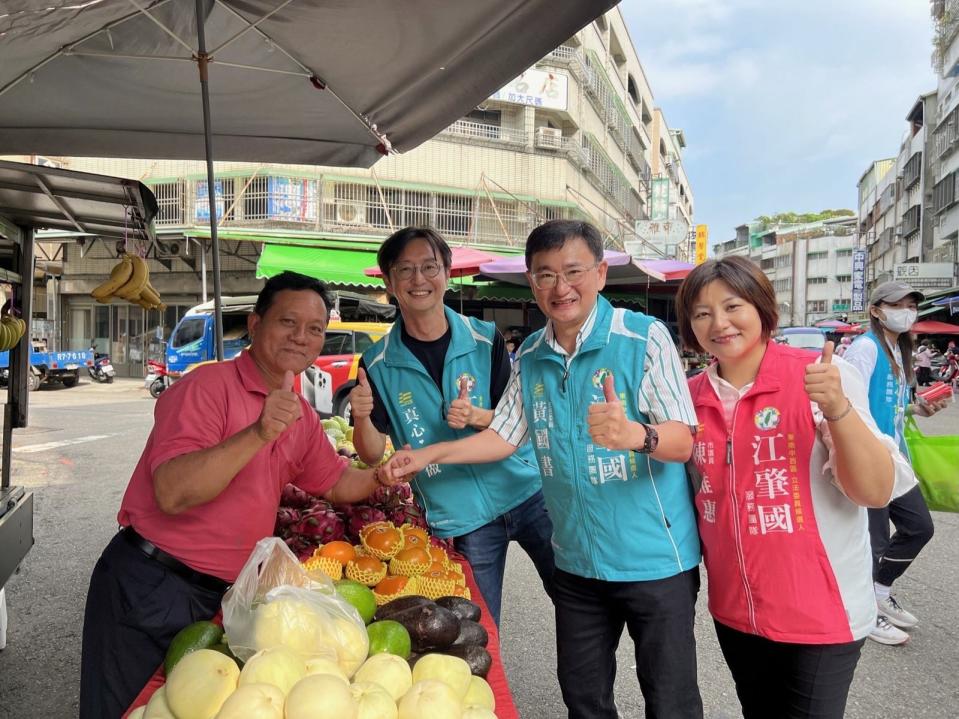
(608,425)
(460,414)
(361,397)
(280,410)
(824,385)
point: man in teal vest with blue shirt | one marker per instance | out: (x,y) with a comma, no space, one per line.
(436,377)
(601,394)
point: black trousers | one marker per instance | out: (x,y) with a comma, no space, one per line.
(775,680)
(134,608)
(923,375)
(659,614)
(892,556)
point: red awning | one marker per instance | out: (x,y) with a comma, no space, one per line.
(466,262)
(933,327)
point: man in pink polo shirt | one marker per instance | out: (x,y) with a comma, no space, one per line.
(226,439)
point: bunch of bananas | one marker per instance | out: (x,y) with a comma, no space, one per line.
(11,328)
(130,280)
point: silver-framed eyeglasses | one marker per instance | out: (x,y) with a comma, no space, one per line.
(428,269)
(547,280)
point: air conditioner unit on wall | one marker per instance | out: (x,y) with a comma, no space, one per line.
(549,137)
(172,248)
(351,213)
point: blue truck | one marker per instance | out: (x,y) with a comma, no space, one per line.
(63,367)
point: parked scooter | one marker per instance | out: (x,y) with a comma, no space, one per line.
(157,379)
(949,371)
(102,368)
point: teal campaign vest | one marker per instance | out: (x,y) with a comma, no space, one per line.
(887,398)
(457,498)
(617,515)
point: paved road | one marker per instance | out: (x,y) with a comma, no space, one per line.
(83,443)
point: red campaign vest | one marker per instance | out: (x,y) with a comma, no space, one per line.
(769,573)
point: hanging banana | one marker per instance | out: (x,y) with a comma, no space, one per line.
(119,276)
(129,280)
(11,328)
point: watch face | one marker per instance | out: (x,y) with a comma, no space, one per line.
(652,440)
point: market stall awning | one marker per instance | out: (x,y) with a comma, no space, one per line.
(334,266)
(623,270)
(835,325)
(932,327)
(466,262)
(665,270)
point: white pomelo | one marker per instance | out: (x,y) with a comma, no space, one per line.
(479,694)
(430,699)
(291,623)
(372,701)
(277,666)
(477,712)
(453,671)
(157,708)
(253,701)
(389,671)
(200,683)
(137,713)
(351,641)
(320,696)
(324,664)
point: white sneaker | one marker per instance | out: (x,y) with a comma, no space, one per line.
(893,611)
(886,633)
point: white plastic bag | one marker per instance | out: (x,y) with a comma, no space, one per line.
(274,602)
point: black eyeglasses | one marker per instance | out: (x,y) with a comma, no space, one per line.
(547,280)
(406,272)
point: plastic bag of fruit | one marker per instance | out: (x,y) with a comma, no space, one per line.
(274,602)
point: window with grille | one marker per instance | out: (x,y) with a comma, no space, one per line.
(169,203)
(453,214)
(256,198)
(818,280)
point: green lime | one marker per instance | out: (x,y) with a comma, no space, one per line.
(360,596)
(199,635)
(390,637)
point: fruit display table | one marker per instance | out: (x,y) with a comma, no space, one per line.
(505,708)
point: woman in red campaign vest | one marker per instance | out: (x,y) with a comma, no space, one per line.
(781,508)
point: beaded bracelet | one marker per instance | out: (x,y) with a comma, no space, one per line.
(839,417)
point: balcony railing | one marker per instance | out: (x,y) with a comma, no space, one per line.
(483,131)
(561,55)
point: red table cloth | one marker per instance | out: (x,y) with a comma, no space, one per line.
(505,708)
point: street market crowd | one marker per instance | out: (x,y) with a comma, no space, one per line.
(587,446)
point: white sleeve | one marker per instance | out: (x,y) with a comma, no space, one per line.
(854,388)
(663,392)
(863,355)
(509,418)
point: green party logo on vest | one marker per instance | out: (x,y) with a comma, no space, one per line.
(600,375)
(767,418)
(470,382)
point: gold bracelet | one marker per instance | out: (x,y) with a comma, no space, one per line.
(839,417)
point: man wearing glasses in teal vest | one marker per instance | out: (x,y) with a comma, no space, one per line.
(436,377)
(601,394)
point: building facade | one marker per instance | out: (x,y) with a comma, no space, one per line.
(575,136)
(809,265)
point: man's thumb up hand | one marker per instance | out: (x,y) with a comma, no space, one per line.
(287,381)
(464,388)
(361,379)
(827,353)
(609,388)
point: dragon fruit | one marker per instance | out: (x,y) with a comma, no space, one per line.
(293,496)
(408,514)
(391,497)
(286,517)
(300,546)
(358,516)
(319,523)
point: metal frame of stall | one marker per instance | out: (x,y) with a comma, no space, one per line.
(33,197)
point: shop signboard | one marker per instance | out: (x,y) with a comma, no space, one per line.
(202,203)
(291,199)
(859,280)
(702,237)
(659,198)
(537,88)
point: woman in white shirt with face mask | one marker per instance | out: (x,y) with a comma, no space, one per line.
(884,358)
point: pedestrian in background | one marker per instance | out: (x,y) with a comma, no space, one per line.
(883,356)
(781,497)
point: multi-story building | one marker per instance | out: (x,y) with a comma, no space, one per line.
(809,265)
(575,136)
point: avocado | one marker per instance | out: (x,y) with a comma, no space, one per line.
(199,635)
(478,658)
(431,627)
(463,608)
(472,633)
(398,605)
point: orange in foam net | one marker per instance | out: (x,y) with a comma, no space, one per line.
(339,550)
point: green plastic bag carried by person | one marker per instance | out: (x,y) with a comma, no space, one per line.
(935,459)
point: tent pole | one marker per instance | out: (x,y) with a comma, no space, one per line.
(203,62)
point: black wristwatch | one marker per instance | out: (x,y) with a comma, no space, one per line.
(651,442)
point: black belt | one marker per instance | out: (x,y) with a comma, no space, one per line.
(206,581)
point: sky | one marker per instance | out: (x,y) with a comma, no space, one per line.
(784,103)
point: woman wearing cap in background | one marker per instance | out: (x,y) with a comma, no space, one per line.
(884,358)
